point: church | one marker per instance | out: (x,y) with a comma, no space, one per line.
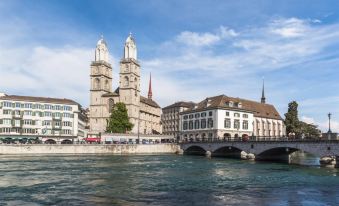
(144,113)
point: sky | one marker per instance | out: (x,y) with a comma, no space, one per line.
(194,49)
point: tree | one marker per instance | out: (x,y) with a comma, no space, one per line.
(309,130)
(291,118)
(293,125)
(118,122)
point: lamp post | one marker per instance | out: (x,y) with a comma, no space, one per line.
(329,126)
(139,127)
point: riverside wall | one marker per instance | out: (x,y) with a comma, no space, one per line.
(90,149)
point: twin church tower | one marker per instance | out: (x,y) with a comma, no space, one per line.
(144,113)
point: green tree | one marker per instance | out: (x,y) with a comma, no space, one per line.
(119,121)
(309,130)
(291,118)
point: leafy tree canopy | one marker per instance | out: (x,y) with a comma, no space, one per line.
(293,125)
(119,121)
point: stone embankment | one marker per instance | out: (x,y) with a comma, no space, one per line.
(90,149)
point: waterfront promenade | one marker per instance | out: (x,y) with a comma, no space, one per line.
(88,148)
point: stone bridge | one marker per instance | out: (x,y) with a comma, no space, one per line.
(263,150)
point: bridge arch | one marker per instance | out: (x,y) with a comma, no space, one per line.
(227,151)
(280,154)
(195,150)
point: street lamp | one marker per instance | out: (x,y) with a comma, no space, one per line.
(329,126)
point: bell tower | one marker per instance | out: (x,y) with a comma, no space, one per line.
(101,83)
(129,86)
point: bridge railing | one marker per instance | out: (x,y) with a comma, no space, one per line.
(258,139)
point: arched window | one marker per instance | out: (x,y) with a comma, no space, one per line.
(126,81)
(97,83)
(106,85)
(110,105)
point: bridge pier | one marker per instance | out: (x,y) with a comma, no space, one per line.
(208,154)
(247,156)
(329,161)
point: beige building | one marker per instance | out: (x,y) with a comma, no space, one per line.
(144,113)
(170,117)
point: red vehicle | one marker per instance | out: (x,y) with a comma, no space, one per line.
(93,140)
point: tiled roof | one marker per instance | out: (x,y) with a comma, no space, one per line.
(221,101)
(181,104)
(149,102)
(38,99)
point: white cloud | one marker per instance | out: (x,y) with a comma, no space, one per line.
(61,72)
(291,27)
(205,39)
(308,120)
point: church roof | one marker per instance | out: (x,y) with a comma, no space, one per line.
(39,99)
(149,102)
(222,101)
(181,104)
(110,94)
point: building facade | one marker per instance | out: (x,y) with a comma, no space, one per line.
(223,117)
(40,117)
(170,117)
(144,113)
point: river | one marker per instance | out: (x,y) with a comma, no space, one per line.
(162,180)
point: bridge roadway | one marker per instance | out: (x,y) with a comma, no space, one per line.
(269,150)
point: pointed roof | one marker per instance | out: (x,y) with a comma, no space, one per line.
(263,99)
(150,87)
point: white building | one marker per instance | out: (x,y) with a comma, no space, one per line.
(47,119)
(223,117)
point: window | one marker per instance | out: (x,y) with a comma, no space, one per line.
(97,83)
(190,125)
(236,115)
(245,124)
(7,121)
(6,111)
(110,105)
(28,113)
(184,126)
(196,124)
(203,123)
(7,104)
(236,124)
(57,123)
(186,117)
(227,114)
(68,115)
(126,81)
(210,122)
(203,114)
(48,114)
(245,115)
(46,123)
(210,113)
(17,105)
(197,115)
(227,123)
(191,116)
(57,107)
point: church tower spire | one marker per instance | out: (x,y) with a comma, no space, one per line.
(263,99)
(150,87)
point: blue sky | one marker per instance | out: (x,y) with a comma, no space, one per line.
(194,49)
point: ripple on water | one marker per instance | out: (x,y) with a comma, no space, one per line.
(161,180)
